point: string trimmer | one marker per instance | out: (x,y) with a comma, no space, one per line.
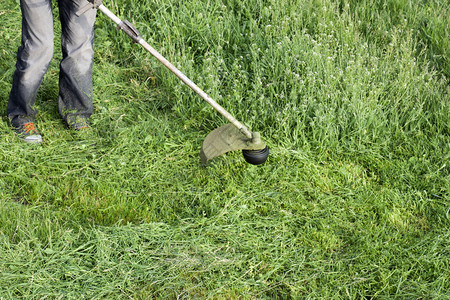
(230,137)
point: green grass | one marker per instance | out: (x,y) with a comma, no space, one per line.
(352,98)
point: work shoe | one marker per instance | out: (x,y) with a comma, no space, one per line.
(25,130)
(77,122)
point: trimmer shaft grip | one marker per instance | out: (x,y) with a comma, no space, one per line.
(130,30)
(93,5)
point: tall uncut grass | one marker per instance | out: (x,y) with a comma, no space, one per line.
(352,97)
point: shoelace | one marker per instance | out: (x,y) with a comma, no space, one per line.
(29,127)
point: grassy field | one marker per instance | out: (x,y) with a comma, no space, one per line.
(352,98)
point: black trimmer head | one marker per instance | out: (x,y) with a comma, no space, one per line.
(256,157)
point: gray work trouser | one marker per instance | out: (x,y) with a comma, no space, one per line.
(36,51)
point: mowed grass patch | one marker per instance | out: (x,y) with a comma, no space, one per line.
(226,256)
(352,99)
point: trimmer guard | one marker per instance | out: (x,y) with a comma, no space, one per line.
(228,138)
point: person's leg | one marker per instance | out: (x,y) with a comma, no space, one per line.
(75,79)
(33,57)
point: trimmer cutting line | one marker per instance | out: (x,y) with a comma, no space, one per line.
(230,137)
